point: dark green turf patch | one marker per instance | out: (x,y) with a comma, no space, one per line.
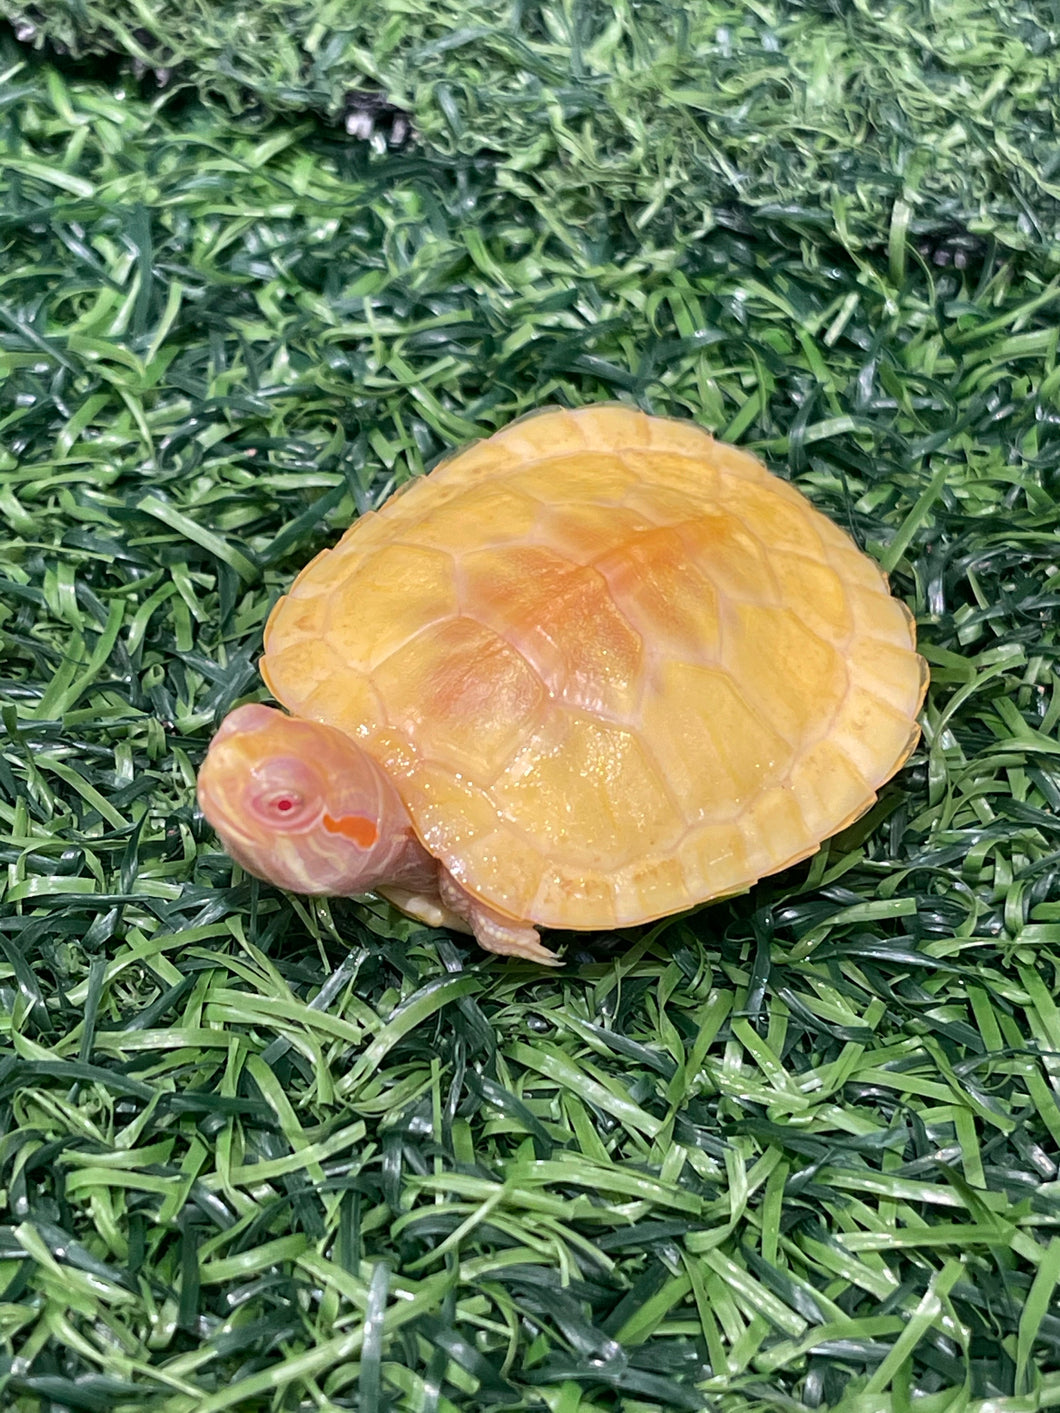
(938,116)
(797,1150)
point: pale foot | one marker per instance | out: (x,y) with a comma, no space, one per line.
(425,907)
(492,930)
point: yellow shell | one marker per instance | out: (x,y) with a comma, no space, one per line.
(613,666)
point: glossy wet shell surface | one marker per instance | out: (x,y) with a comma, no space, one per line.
(614,667)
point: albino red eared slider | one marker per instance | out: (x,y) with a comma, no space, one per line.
(586,673)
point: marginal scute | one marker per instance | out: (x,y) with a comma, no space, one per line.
(872,733)
(738,465)
(715,861)
(544,434)
(301,620)
(326,573)
(894,671)
(646,886)
(317,581)
(828,786)
(671,434)
(855,569)
(615,668)
(877,615)
(307,662)
(612,427)
(777,825)
(578,893)
(481,461)
(505,856)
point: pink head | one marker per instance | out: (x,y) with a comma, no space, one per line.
(301,805)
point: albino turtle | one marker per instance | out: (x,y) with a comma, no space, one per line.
(587,673)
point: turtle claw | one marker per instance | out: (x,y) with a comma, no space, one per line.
(516,942)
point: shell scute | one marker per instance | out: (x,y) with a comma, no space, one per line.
(651,884)
(612,427)
(896,675)
(561,617)
(878,616)
(828,784)
(307,660)
(729,556)
(795,679)
(661,505)
(546,433)
(500,516)
(824,605)
(587,477)
(576,895)
(590,792)
(775,820)
(664,598)
(462,694)
(716,859)
(480,461)
(683,437)
(458,812)
(776,513)
(712,748)
(580,534)
(869,731)
(516,868)
(388,598)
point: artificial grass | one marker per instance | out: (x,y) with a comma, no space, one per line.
(797,1150)
(649,111)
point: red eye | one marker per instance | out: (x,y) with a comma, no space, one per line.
(287,806)
(286,809)
(285,794)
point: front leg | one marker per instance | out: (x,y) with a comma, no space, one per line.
(492,930)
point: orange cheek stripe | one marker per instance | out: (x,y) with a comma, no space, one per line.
(362,831)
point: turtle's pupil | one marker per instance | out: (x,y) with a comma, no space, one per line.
(284,805)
